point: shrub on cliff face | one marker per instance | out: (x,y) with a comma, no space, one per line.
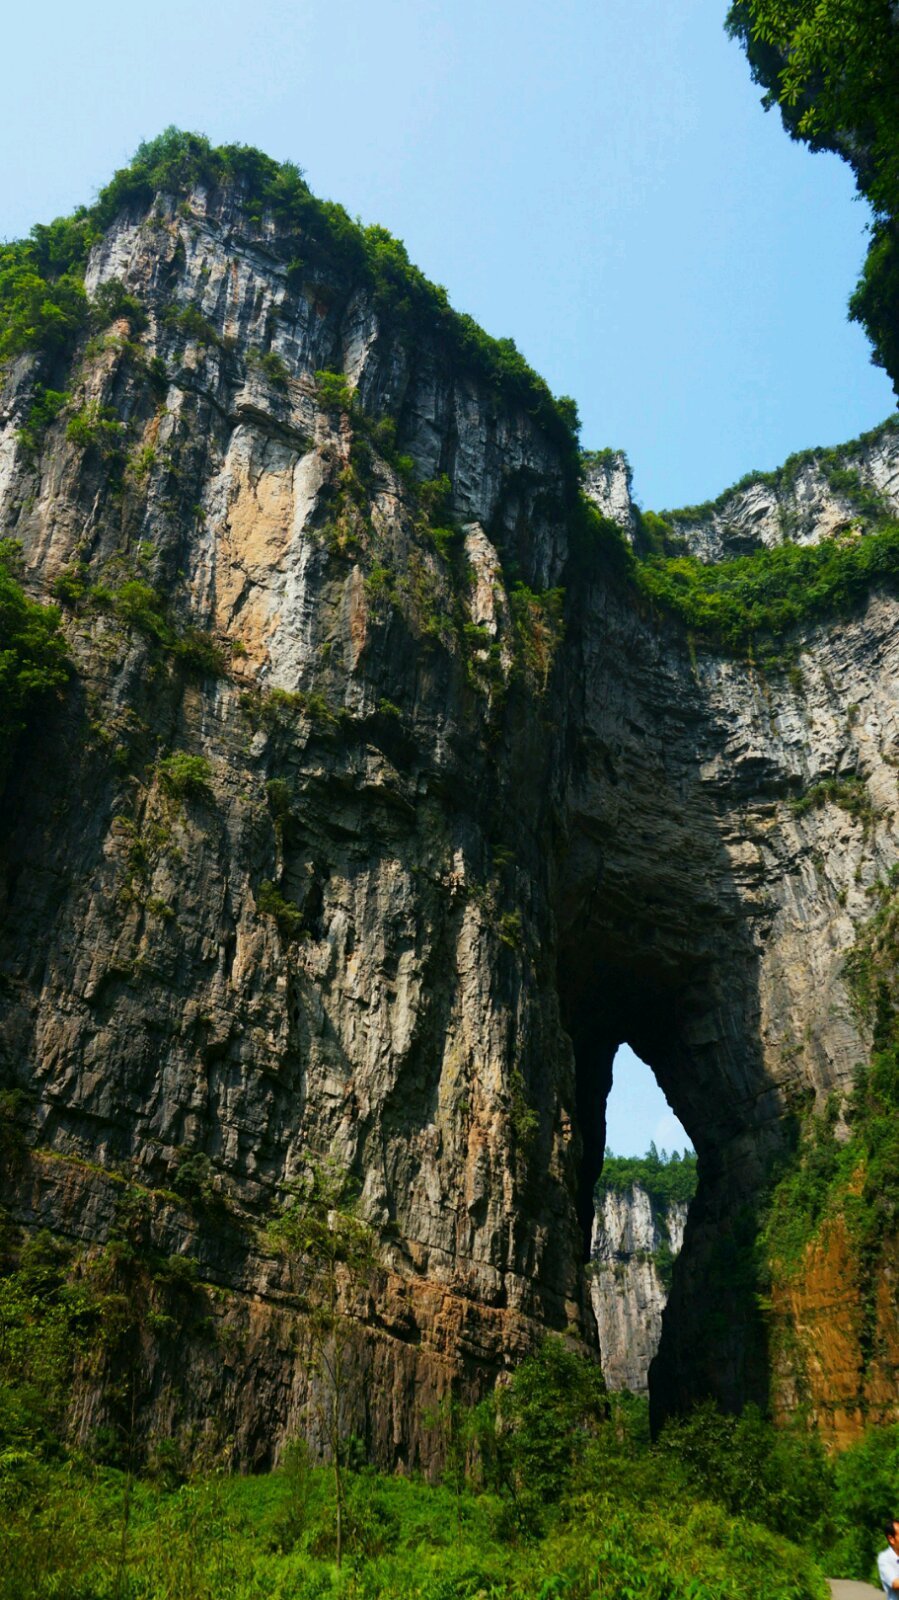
(33,660)
(182,774)
(865,1478)
(36,312)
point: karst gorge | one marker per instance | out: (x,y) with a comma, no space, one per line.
(378,768)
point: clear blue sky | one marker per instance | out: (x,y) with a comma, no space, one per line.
(595,178)
(637,1111)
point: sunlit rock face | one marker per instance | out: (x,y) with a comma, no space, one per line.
(443,855)
(814,496)
(628,1287)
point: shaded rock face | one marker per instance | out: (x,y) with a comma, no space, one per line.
(442,859)
(628,1290)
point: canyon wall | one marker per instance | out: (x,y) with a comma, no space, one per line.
(381,806)
(632,1251)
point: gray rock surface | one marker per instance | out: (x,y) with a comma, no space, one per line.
(627,1290)
(442,861)
(814,496)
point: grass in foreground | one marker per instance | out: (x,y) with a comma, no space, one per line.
(85,1534)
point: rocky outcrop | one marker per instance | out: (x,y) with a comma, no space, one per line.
(812,497)
(631,1254)
(433,855)
(608,483)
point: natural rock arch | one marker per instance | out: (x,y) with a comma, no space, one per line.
(443,857)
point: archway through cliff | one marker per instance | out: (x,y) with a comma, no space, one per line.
(641,1203)
(638,1114)
(621,1030)
(684,1006)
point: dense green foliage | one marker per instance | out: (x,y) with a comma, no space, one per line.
(549,1492)
(760,599)
(181,774)
(551,1488)
(43,305)
(90,1534)
(33,661)
(667,1179)
(832,67)
(772,591)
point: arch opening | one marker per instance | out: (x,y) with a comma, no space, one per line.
(621,1013)
(700,1039)
(641,1201)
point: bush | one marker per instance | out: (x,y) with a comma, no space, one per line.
(280,798)
(37,312)
(113,302)
(334,391)
(33,658)
(96,428)
(140,606)
(183,775)
(200,652)
(271,366)
(743,1462)
(191,322)
(43,411)
(288,917)
(539,1428)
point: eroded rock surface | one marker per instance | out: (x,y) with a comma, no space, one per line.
(442,858)
(631,1250)
(813,496)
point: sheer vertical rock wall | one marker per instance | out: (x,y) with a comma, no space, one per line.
(443,856)
(628,1290)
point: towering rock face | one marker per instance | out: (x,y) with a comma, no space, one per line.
(632,1249)
(341,845)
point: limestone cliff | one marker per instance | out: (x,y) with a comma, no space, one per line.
(812,497)
(379,809)
(632,1250)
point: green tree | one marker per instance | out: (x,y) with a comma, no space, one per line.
(33,659)
(332,1258)
(832,68)
(537,1430)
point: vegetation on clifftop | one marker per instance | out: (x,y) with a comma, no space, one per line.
(667,1179)
(43,305)
(834,462)
(770,592)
